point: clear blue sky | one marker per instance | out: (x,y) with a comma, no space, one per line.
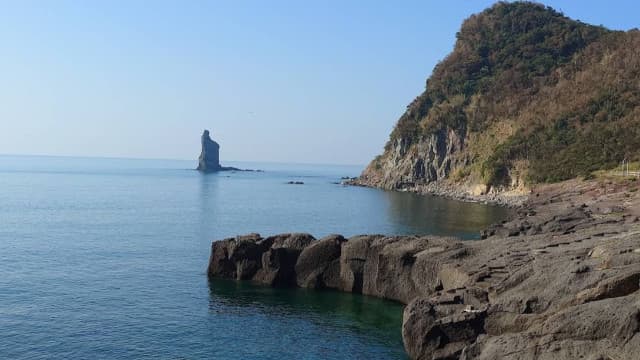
(295,81)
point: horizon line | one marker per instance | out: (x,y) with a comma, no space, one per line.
(171,159)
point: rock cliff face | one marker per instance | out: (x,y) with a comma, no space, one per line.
(209,160)
(527,96)
(405,164)
(559,281)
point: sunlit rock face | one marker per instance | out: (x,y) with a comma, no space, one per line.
(209,159)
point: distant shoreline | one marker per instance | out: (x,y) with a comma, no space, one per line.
(509,199)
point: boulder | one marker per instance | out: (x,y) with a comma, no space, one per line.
(239,258)
(250,257)
(352,259)
(219,263)
(404,267)
(278,263)
(318,265)
(278,267)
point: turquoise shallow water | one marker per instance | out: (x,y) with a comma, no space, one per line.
(106,258)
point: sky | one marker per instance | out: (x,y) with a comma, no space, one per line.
(281,81)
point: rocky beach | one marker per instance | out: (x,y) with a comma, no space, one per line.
(512,198)
(559,280)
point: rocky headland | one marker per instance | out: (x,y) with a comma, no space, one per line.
(558,281)
(527,96)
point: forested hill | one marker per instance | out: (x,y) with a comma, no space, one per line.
(527,96)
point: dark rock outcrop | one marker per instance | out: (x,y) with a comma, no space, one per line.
(238,258)
(270,261)
(319,263)
(353,257)
(278,262)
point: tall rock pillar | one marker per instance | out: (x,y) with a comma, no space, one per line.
(209,159)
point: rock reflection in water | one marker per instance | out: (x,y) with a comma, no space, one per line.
(298,314)
(425,214)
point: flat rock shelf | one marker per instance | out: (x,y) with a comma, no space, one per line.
(558,281)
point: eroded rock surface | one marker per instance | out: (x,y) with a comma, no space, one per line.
(319,263)
(270,261)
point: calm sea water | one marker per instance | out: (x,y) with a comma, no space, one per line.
(106,258)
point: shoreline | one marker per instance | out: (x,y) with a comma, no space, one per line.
(539,283)
(504,199)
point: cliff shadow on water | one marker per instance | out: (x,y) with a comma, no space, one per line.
(339,312)
(426,214)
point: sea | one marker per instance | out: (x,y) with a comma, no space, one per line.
(106,259)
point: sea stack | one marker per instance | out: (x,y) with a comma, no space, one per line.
(209,159)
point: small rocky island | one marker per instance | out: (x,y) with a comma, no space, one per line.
(209,159)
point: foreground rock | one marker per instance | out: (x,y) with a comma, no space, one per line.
(559,281)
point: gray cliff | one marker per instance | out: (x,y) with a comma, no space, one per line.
(209,159)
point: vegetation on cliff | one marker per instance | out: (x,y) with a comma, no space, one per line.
(534,97)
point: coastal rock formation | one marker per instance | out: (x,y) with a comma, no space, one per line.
(319,263)
(439,329)
(209,159)
(527,96)
(406,164)
(561,280)
(279,262)
(270,261)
